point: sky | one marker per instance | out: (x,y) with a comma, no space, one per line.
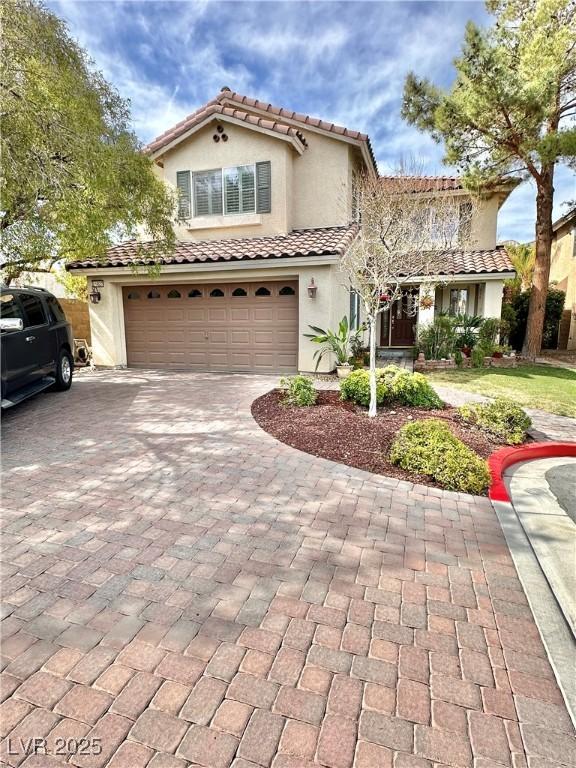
(343,62)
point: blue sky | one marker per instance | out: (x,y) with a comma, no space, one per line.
(343,62)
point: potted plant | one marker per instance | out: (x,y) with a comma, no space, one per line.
(336,343)
(497,351)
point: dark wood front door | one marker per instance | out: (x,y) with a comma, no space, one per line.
(398,327)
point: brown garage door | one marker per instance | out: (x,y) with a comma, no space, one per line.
(215,327)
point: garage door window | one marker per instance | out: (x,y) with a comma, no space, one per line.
(216,293)
(153,295)
(287,291)
(174,294)
(194,293)
(133,295)
(239,292)
(262,291)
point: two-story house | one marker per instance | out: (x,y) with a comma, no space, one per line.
(265,211)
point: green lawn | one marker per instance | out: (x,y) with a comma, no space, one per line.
(536,386)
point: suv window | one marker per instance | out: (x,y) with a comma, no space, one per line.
(33,310)
(10,306)
(55,310)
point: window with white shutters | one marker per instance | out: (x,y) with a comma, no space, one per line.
(208,193)
(184,201)
(239,189)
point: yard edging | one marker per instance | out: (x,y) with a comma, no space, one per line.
(500,460)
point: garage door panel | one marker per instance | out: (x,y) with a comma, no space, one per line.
(242,332)
(239,314)
(238,337)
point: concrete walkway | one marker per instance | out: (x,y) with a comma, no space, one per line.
(181,589)
(545,426)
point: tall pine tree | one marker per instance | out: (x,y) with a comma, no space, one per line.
(510,111)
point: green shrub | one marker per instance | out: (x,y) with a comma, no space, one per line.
(488,332)
(478,354)
(501,418)
(438,339)
(393,384)
(553,314)
(356,387)
(428,447)
(298,390)
(458,358)
(414,389)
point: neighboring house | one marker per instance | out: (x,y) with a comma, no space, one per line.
(265,210)
(563,275)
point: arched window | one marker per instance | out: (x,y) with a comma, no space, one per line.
(153,295)
(239,292)
(216,292)
(287,291)
(133,295)
(194,293)
(174,294)
(262,291)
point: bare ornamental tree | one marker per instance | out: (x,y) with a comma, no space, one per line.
(408,233)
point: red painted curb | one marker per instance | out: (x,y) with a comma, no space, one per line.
(500,460)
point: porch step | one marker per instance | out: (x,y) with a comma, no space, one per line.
(404,358)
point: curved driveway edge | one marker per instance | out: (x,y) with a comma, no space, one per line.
(190,591)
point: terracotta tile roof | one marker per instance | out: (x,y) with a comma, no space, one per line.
(214,108)
(330,241)
(228,97)
(300,242)
(479,262)
(423,183)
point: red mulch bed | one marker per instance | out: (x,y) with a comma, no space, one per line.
(342,431)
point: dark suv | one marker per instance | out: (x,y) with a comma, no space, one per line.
(36,344)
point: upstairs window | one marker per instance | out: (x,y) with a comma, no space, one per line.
(239,189)
(208,193)
(235,190)
(184,196)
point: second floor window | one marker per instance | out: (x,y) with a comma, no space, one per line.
(239,189)
(208,193)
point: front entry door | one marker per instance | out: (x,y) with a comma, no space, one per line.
(403,320)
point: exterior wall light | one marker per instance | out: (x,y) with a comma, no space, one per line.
(312,288)
(95,295)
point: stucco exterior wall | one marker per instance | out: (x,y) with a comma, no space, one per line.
(484,224)
(563,274)
(326,309)
(321,192)
(244,147)
(308,191)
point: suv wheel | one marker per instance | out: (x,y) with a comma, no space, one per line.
(64,370)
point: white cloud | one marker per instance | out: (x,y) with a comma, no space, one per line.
(343,62)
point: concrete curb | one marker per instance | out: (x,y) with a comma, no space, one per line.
(554,629)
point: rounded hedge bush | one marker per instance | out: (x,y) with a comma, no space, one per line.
(501,418)
(298,390)
(428,447)
(393,384)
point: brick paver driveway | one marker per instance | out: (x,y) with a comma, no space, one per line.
(179,588)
